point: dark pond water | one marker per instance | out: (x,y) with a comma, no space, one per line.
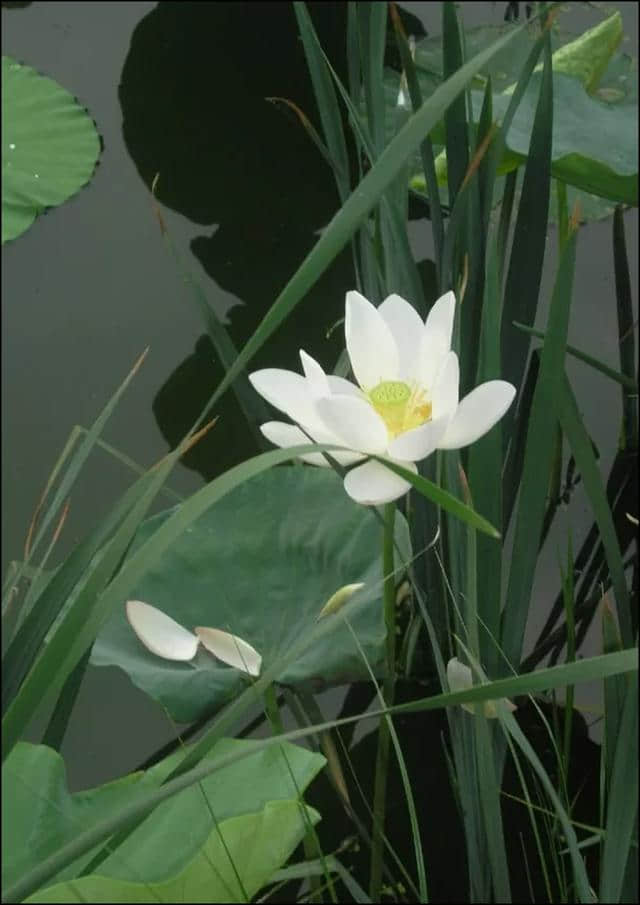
(179,89)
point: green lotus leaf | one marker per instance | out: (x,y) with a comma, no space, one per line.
(50,146)
(260,564)
(237,860)
(595,97)
(254,801)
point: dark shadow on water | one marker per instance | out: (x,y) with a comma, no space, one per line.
(193,95)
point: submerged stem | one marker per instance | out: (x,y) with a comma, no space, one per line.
(382,758)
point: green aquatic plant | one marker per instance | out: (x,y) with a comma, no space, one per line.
(50,146)
(432,598)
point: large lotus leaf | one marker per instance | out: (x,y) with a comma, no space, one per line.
(49,146)
(238,859)
(250,796)
(585,57)
(594,144)
(599,171)
(261,564)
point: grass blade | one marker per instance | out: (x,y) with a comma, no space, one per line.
(485,474)
(527,254)
(93,605)
(455,118)
(359,204)
(77,461)
(537,460)
(626,381)
(441,498)
(578,438)
(623,801)
(426,148)
(252,406)
(326,100)
(544,679)
(625,334)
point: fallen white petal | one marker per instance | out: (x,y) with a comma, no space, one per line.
(159,633)
(230,649)
(317,382)
(478,412)
(355,422)
(284,435)
(417,444)
(371,347)
(444,399)
(407,328)
(372,484)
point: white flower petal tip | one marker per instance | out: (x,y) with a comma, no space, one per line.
(441,317)
(159,633)
(317,382)
(285,390)
(338,600)
(230,649)
(371,346)
(478,412)
(407,328)
(460,678)
(372,484)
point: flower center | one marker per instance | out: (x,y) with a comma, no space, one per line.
(401,407)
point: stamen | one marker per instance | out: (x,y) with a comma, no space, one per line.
(401,406)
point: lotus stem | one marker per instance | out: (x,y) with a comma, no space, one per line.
(384,738)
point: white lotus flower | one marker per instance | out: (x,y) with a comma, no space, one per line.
(460,678)
(166,638)
(404,407)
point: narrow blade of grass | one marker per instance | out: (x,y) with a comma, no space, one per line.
(626,341)
(327,101)
(406,783)
(442,498)
(372,19)
(426,147)
(624,380)
(623,801)
(359,204)
(57,726)
(485,473)
(545,679)
(537,460)
(455,118)
(75,465)
(578,438)
(93,605)
(614,692)
(527,254)
(581,880)
(251,404)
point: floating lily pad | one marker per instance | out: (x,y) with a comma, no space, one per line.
(260,564)
(177,850)
(50,146)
